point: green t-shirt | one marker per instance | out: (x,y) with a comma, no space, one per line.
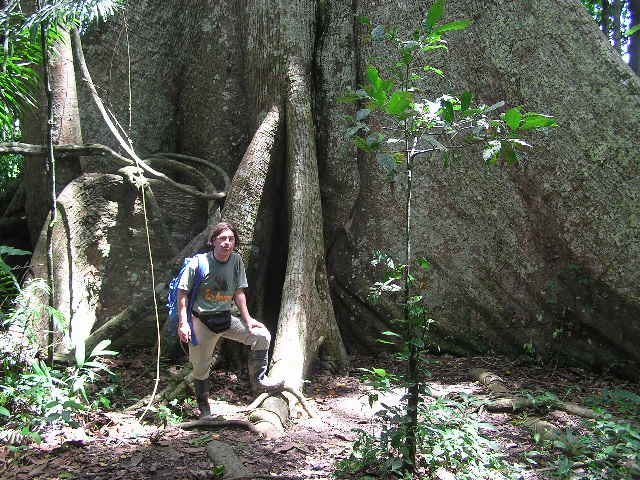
(216,290)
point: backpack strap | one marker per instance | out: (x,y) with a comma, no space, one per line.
(202,270)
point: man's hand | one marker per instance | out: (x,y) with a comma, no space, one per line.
(184,332)
(253,324)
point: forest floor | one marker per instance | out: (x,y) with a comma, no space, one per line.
(113,444)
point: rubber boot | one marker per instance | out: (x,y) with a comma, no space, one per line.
(258,360)
(202,397)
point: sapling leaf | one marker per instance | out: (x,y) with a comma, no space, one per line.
(374,77)
(434,47)
(447,112)
(457,25)
(632,31)
(512,118)
(429,68)
(424,263)
(518,142)
(508,154)
(398,103)
(537,120)
(465,101)
(5,412)
(435,13)
(74,405)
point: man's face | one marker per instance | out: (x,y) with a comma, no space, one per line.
(224,244)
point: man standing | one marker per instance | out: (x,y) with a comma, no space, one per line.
(210,317)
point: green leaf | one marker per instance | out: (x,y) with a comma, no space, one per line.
(363,19)
(429,68)
(434,47)
(374,77)
(99,349)
(74,405)
(447,112)
(458,25)
(465,101)
(537,120)
(508,154)
(389,333)
(435,13)
(632,31)
(424,263)
(5,412)
(513,117)
(399,102)
(4,250)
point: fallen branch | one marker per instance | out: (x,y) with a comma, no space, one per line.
(511,403)
(216,422)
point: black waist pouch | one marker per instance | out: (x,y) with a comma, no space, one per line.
(216,322)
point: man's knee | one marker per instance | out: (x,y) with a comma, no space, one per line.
(262,339)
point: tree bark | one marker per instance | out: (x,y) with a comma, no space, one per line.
(306,320)
(66,130)
(252,204)
(497,239)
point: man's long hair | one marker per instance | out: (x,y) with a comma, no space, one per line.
(217,230)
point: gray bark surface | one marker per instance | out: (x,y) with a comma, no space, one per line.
(543,253)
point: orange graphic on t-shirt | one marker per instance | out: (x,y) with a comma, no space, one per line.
(218,297)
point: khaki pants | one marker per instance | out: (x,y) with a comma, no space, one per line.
(200,355)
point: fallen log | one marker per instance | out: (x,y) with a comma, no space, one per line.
(513,403)
(490,380)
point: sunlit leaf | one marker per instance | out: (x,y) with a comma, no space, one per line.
(457,25)
(399,102)
(429,68)
(512,118)
(632,31)
(389,333)
(538,120)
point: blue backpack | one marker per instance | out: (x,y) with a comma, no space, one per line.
(172,299)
